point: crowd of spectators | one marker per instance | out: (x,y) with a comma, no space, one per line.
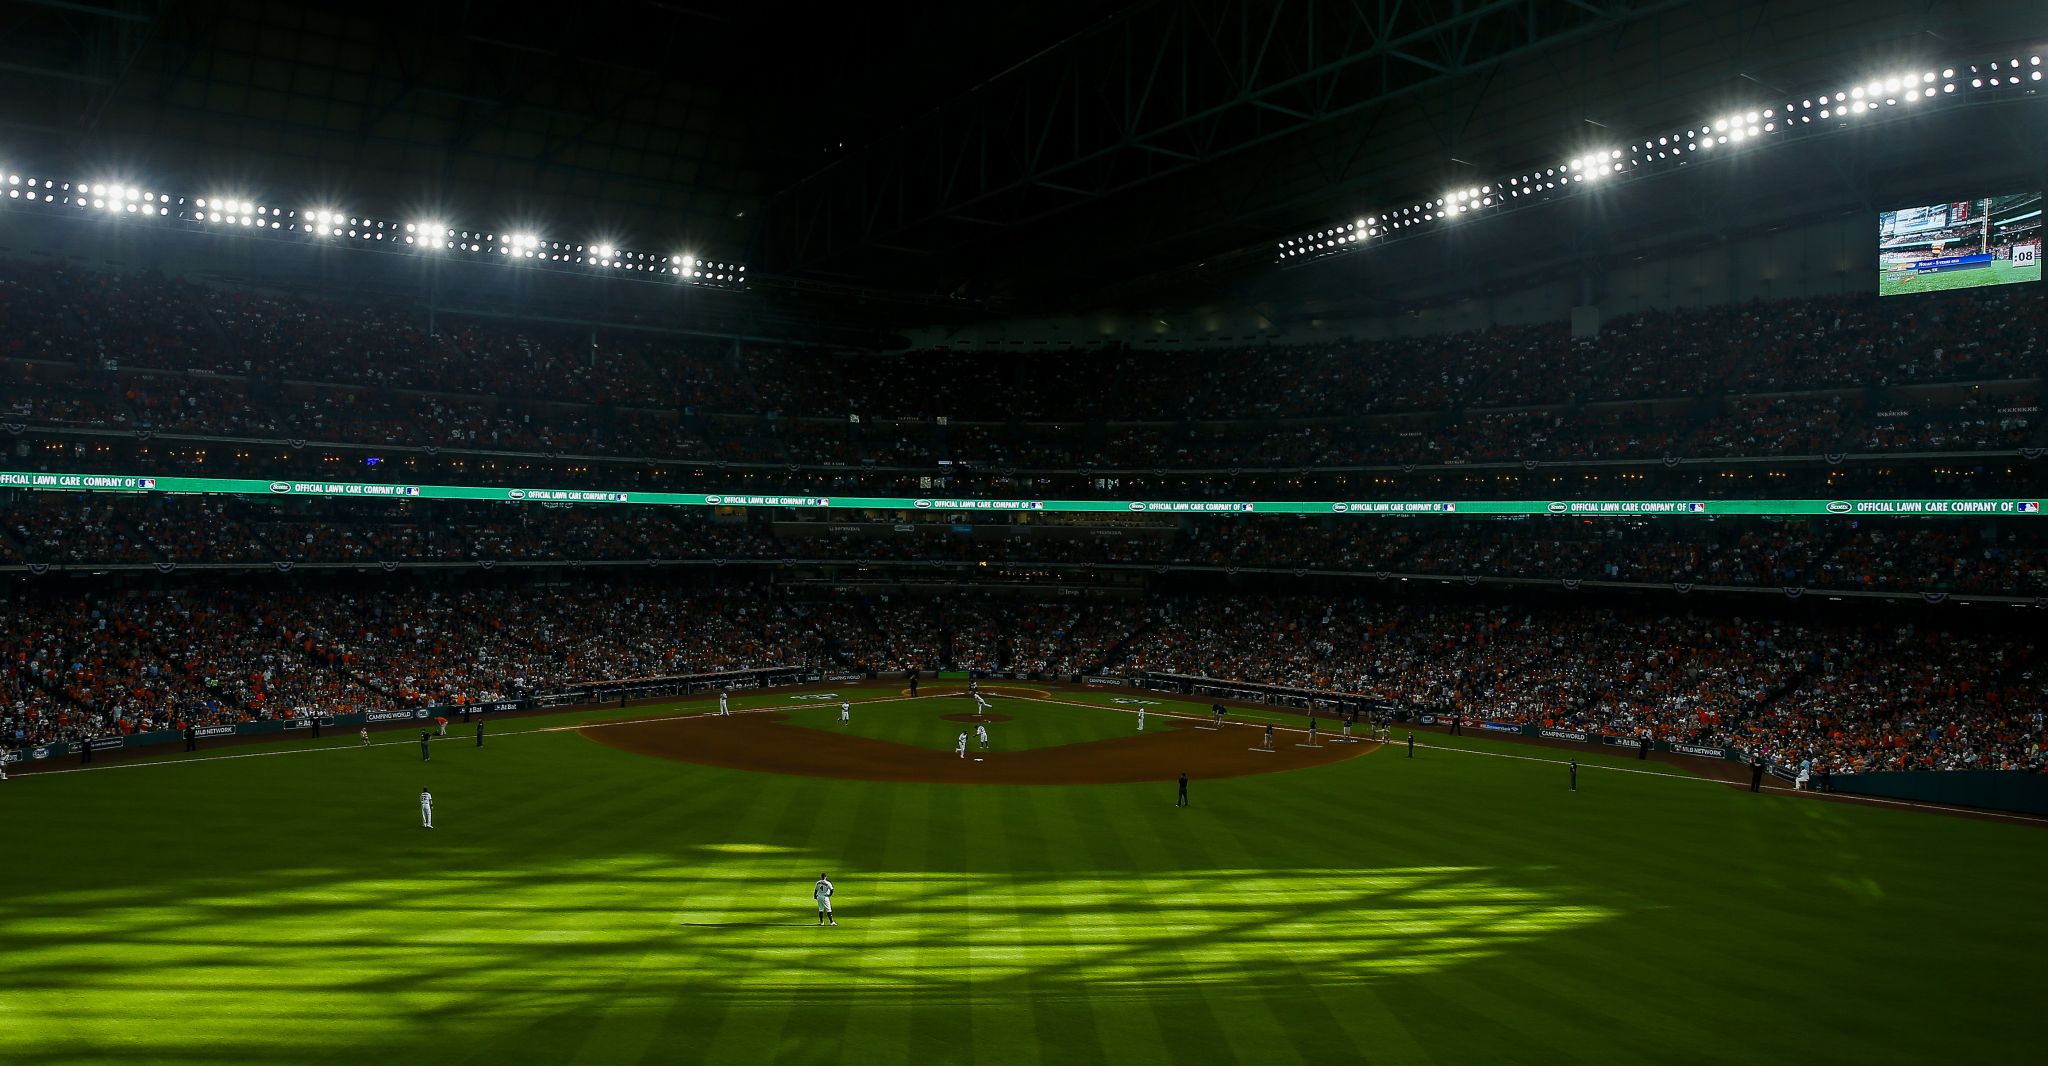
(1899,556)
(89,350)
(1934,555)
(1846,696)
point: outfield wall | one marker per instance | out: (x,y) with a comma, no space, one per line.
(597,693)
(1993,790)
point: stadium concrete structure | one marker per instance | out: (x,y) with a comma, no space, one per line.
(1022,533)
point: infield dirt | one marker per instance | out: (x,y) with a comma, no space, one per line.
(768,742)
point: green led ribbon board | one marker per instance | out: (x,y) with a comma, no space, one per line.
(1358,508)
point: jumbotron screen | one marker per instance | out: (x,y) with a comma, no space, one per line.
(1962,244)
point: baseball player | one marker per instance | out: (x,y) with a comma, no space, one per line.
(426,809)
(723,708)
(822,892)
(960,748)
(1269,736)
(1217,710)
(981,734)
(980,705)
(365,734)
(845,712)
(424,738)
(1311,727)
(3,766)
(1141,719)
(1350,720)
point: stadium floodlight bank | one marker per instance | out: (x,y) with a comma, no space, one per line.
(1955,508)
(116,201)
(1903,93)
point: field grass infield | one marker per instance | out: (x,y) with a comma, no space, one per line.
(578,903)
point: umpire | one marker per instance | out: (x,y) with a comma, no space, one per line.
(424,738)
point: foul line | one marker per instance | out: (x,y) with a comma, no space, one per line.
(1851,797)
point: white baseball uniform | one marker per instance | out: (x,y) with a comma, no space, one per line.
(845,712)
(981,734)
(822,892)
(722,708)
(960,749)
(426,809)
(979,703)
(1141,719)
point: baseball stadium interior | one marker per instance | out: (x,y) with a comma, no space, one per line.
(723,410)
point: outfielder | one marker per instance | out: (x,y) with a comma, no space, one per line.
(845,712)
(822,892)
(365,734)
(960,748)
(426,809)
(981,734)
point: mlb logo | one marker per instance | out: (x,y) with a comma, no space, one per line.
(2030,507)
(146,483)
(1696,508)
(412,490)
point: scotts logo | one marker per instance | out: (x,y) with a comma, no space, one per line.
(517,494)
(1557,508)
(924,503)
(280,486)
(1340,508)
(714,500)
(1838,507)
(1136,506)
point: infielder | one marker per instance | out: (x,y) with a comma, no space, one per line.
(981,734)
(1141,719)
(365,734)
(722,707)
(426,809)
(980,705)
(822,892)
(960,748)
(845,712)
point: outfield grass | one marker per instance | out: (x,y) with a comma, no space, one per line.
(583,904)
(2000,272)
